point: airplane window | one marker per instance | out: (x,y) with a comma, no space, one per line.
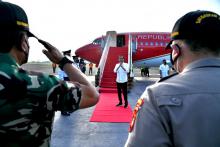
(161,44)
(94,42)
(146,43)
(97,41)
(156,43)
(142,43)
(151,43)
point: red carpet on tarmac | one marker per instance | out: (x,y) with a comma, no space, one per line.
(106,111)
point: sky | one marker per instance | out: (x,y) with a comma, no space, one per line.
(71,24)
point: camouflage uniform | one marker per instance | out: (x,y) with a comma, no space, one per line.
(28,101)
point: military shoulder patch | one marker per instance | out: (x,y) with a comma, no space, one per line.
(140,102)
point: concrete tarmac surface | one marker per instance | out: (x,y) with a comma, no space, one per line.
(76,130)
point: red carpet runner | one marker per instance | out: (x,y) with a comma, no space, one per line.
(106,111)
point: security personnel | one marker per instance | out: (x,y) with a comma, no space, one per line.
(28,100)
(164,69)
(184,109)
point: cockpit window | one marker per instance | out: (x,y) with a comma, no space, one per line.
(97,41)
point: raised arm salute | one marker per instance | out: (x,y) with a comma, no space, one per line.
(29,99)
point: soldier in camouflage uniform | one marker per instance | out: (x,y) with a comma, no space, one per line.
(28,100)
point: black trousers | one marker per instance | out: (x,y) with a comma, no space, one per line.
(122,87)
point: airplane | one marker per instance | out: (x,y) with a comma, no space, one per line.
(148,48)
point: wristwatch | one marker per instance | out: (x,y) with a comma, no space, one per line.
(63,61)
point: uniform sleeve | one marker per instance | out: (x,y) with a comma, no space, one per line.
(63,96)
(148,129)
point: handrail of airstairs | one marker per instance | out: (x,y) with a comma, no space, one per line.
(104,57)
(130,55)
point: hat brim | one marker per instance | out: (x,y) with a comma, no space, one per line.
(44,43)
(31,34)
(169,45)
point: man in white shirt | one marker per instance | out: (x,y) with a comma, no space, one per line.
(164,69)
(122,70)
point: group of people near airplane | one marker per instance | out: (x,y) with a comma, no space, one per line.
(181,109)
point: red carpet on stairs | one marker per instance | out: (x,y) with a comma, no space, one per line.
(108,79)
(106,111)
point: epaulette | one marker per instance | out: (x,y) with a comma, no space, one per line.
(167,77)
(140,102)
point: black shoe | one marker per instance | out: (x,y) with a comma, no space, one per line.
(119,104)
(65,113)
(126,105)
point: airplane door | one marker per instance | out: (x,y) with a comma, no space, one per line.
(120,40)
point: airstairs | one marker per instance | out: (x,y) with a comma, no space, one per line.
(107,78)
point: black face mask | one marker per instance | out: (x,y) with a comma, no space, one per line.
(19,46)
(171,58)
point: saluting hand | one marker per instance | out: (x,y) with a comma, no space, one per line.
(52,53)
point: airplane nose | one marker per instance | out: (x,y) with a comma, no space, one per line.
(89,53)
(78,52)
(81,52)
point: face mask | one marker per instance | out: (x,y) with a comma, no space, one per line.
(175,46)
(23,46)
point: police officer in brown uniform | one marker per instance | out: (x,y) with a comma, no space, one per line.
(183,110)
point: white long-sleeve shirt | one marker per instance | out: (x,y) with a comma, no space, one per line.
(121,73)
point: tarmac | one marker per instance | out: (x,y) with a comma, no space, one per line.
(76,130)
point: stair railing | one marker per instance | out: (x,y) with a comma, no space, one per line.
(104,57)
(130,55)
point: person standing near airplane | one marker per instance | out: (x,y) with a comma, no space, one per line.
(122,69)
(82,66)
(90,68)
(183,110)
(28,100)
(146,71)
(76,61)
(54,66)
(164,69)
(142,71)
